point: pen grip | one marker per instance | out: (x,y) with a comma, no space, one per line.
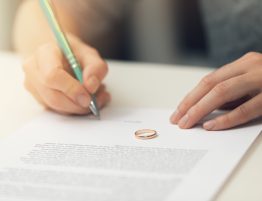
(78,74)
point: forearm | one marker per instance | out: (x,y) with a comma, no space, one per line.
(31,29)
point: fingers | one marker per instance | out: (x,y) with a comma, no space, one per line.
(103,98)
(54,87)
(51,98)
(205,85)
(53,76)
(61,104)
(224,92)
(95,68)
(243,114)
(58,102)
(241,78)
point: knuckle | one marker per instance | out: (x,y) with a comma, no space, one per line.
(51,76)
(254,56)
(225,120)
(183,106)
(243,112)
(221,89)
(104,66)
(194,111)
(95,51)
(208,81)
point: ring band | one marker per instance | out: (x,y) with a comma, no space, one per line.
(146,134)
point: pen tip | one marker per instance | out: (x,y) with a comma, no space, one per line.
(94,108)
(97,115)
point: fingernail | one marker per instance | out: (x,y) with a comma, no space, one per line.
(209,125)
(83,101)
(175,116)
(182,123)
(93,84)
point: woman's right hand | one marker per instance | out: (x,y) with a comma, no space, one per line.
(51,81)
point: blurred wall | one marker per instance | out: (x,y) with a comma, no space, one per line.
(7,14)
(153,31)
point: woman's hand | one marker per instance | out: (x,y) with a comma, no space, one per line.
(242,78)
(50,79)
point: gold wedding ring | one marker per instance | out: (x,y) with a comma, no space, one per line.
(146,134)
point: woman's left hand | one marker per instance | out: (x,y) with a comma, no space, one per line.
(229,84)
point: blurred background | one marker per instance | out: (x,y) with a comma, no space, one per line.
(162,33)
(7,14)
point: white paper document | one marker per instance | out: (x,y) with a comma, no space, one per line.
(59,158)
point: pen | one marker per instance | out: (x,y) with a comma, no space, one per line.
(64,45)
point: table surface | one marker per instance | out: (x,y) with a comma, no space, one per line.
(132,85)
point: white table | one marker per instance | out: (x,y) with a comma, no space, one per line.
(132,84)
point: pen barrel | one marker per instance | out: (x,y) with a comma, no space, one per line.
(66,49)
(78,73)
(74,65)
(61,39)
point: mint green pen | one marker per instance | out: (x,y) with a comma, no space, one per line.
(66,49)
